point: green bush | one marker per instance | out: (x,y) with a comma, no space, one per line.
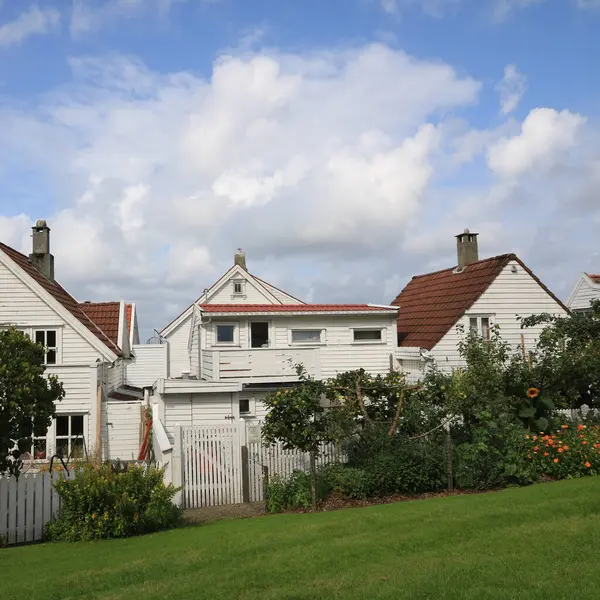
(477,466)
(112,502)
(350,482)
(293,493)
(400,465)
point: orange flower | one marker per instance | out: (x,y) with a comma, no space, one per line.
(532,392)
(580,427)
(584,443)
(560,449)
(566,447)
(536,448)
(588,465)
(546,454)
(564,426)
(556,460)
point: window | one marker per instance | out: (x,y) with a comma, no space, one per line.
(307,336)
(69,436)
(481,325)
(259,334)
(239,287)
(225,334)
(367,335)
(47,338)
(38,444)
(244,406)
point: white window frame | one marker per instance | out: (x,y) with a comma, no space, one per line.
(382,340)
(479,329)
(69,437)
(57,348)
(242,284)
(322,336)
(251,408)
(236,333)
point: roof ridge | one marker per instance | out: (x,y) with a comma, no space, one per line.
(510,255)
(105,339)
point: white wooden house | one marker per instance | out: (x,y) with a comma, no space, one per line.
(243,338)
(585,291)
(87,347)
(474,294)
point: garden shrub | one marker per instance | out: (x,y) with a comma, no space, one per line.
(400,465)
(350,482)
(293,493)
(111,502)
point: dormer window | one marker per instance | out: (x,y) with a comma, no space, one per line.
(239,288)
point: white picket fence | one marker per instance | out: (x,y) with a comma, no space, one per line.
(26,505)
(212,470)
(274,461)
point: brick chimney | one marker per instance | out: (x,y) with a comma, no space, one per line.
(240,259)
(40,256)
(466,249)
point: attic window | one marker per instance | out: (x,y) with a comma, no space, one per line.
(238,288)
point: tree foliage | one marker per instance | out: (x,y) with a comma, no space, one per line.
(566,361)
(27,397)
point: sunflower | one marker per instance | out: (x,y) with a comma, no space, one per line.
(533,392)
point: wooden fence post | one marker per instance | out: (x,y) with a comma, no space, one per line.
(265,474)
(449,458)
(245,475)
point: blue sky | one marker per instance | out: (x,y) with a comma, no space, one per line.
(341,143)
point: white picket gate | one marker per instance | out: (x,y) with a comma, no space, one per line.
(211,465)
(26,505)
(274,461)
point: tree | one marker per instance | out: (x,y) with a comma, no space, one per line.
(299,419)
(566,360)
(27,397)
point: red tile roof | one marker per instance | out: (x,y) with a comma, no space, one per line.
(275,308)
(128,312)
(594,278)
(431,304)
(60,295)
(106,316)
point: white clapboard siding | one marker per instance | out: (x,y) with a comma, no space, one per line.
(253,293)
(121,429)
(585,291)
(211,464)
(20,306)
(178,351)
(274,461)
(115,375)
(26,505)
(149,364)
(511,295)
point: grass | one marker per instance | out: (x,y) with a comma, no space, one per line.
(536,542)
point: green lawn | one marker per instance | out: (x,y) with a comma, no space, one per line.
(536,542)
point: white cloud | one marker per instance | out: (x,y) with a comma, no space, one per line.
(503,8)
(338,171)
(511,89)
(589,4)
(545,135)
(35,21)
(433,8)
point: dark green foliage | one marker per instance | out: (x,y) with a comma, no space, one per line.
(26,397)
(293,493)
(350,482)
(111,502)
(566,361)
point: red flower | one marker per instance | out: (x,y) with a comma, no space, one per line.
(533,392)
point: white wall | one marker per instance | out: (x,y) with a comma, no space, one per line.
(253,294)
(197,409)
(585,291)
(509,296)
(21,307)
(149,364)
(281,296)
(121,423)
(115,376)
(179,358)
